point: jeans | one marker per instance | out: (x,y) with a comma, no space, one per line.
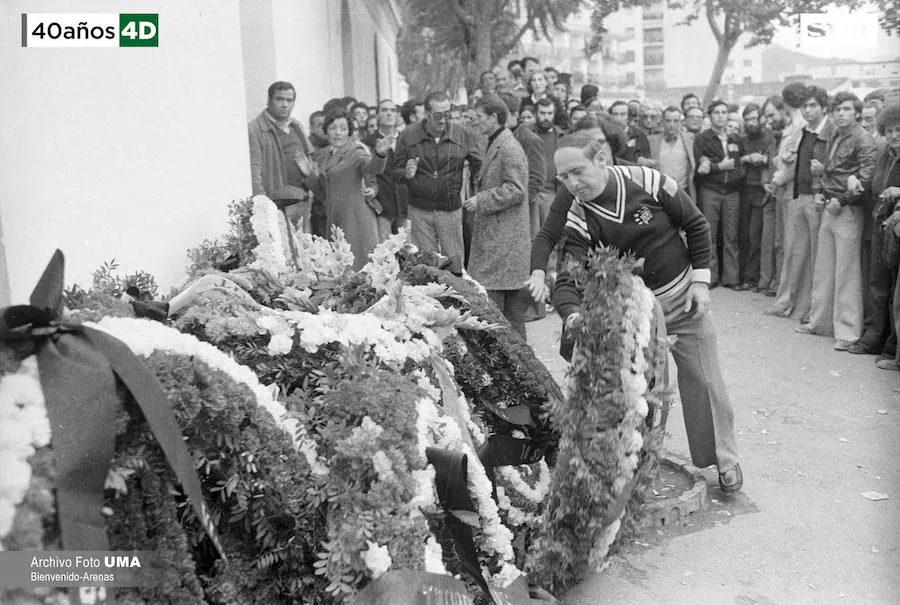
(837,281)
(722,208)
(512,303)
(750,232)
(438,231)
(767,250)
(801,235)
(708,413)
(876,315)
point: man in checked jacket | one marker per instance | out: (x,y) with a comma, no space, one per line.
(640,210)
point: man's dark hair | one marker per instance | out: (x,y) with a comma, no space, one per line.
(553,69)
(588,92)
(715,103)
(819,95)
(525,61)
(546,102)
(314,115)
(843,97)
(612,130)
(750,108)
(578,107)
(581,139)
(689,95)
(530,108)
(408,110)
(511,101)
(889,116)
(775,101)
(733,108)
(483,74)
(795,94)
(874,95)
(281,85)
(494,106)
(513,63)
(359,105)
(616,104)
(670,109)
(337,114)
(435,97)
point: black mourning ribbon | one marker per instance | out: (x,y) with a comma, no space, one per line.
(78,369)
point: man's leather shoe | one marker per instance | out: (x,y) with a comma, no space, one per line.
(775,313)
(731,480)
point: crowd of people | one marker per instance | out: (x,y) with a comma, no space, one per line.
(801,192)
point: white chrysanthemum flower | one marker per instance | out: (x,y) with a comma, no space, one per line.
(434,557)
(383,467)
(377,558)
(280,344)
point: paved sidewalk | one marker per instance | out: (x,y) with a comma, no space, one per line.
(816,429)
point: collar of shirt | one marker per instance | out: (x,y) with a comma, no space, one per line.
(818,129)
(494,136)
(284,125)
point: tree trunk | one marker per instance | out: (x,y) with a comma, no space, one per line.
(483,60)
(718,69)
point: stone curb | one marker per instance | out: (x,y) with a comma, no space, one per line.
(662,513)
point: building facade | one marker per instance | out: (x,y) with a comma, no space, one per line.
(134,154)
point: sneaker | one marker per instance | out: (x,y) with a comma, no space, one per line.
(804,329)
(775,313)
(888,364)
(860,348)
(842,345)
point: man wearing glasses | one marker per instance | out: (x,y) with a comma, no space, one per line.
(429,159)
(391,196)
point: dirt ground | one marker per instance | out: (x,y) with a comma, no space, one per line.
(817,429)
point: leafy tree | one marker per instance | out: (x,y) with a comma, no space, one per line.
(730,20)
(890,16)
(447,43)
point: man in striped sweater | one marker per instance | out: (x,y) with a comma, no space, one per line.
(640,210)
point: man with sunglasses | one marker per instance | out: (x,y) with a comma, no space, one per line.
(429,159)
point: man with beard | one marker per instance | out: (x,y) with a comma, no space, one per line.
(550,136)
(757,146)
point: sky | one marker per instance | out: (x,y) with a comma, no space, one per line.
(849,35)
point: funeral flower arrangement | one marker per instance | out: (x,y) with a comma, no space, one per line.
(314,402)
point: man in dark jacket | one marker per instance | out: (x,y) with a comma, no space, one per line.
(276,142)
(836,306)
(758,143)
(391,196)
(718,180)
(429,159)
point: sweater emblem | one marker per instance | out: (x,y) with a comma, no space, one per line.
(643,216)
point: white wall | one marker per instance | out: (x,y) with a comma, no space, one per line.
(125,153)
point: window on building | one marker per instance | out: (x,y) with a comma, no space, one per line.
(654,56)
(628,56)
(629,33)
(730,63)
(629,79)
(748,79)
(653,35)
(748,62)
(654,78)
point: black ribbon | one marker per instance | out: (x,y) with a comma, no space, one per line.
(78,368)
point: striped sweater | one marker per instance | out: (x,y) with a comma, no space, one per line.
(641,211)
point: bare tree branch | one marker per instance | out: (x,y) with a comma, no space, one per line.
(711,18)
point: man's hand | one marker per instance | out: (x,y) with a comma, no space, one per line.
(382,146)
(816,167)
(697,299)
(307,166)
(769,188)
(833,207)
(761,158)
(471,204)
(704,166)
(537,286)
(412,165)
(572,321)
(854,187)
(893,223)
(727,164)
(891,193)
(820,202)
(369,193)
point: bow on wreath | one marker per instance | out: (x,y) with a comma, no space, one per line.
(78,368)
